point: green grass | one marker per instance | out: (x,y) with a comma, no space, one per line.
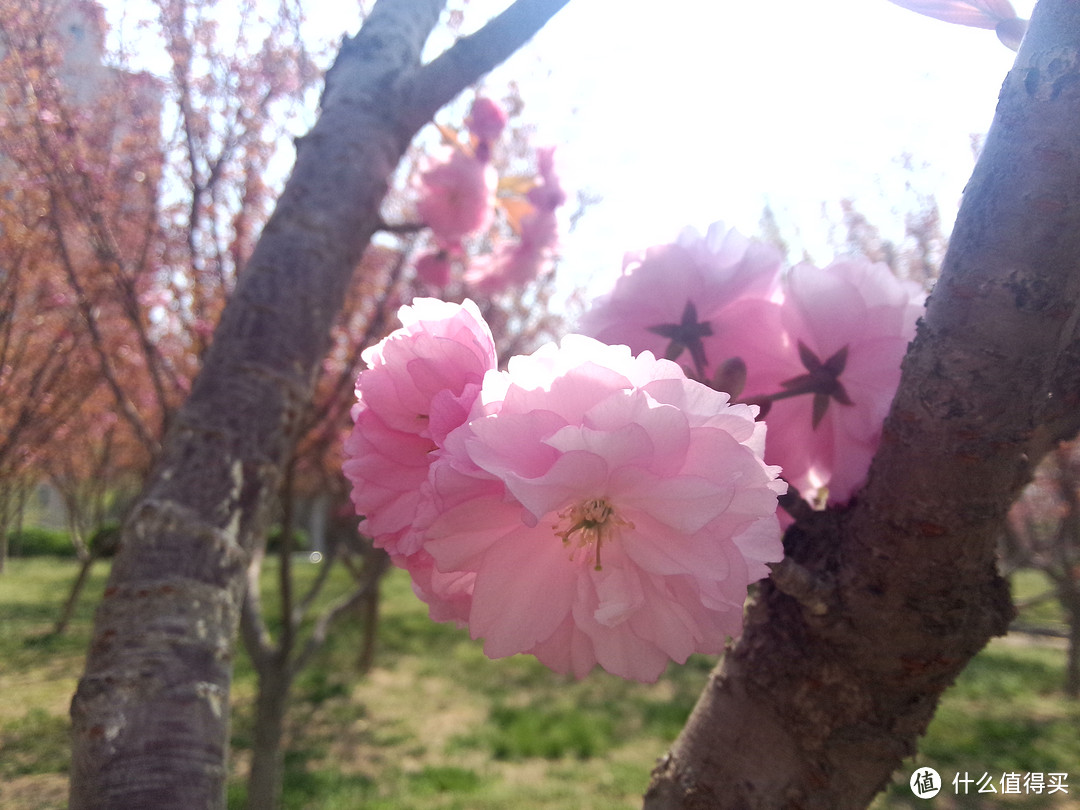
(1004,715)
(1045,614)
(437,726)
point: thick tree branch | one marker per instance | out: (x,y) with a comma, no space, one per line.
(150,717)
(817,711)
(462,65)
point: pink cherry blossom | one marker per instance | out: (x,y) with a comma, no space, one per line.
(548,194)
(448,596)
(515,264)
(486,120)
(420,385)
(995,14)
(604,510)
(457,198)
(976,13)
(831,349)
(669,298)
(433,269)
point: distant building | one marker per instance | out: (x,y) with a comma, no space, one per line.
(80,26)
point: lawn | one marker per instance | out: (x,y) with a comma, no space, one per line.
(435,724)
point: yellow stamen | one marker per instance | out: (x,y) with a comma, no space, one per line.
(593,521)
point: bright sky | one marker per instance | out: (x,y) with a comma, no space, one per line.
(685,112)
(703,111)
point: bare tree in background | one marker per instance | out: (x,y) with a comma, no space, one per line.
(1043,533)
(150,716)
(848,648)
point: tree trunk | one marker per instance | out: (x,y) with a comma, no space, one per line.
(880,605)
(376,564)
(267,756)
(4,542)
(150,716)
(85,564)
(1071,603)
(16,493)
(369,621)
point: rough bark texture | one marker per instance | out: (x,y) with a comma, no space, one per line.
(887,600)
(150,716)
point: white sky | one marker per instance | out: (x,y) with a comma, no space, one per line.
(689,111)
(685,112)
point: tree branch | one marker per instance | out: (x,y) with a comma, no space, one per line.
(97,341)
(818,711)
(463,64)
(253,630)
(374,567)
(317,584)
(150,717)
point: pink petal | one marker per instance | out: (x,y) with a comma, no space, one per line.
(975,13)
(513,613)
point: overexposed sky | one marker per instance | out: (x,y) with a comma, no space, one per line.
(684,112)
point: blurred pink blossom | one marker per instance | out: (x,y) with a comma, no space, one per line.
(548,194)
(420,384)
(515,264)
(486,120)
(433,269)
(604,510)
(998,15)
(828,355)
(669,298)
(202,327)
(457,198)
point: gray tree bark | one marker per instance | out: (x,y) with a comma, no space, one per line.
(881,605)
(1072,656)
(267,757)
(151,714)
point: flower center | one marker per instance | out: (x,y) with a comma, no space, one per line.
(593,521)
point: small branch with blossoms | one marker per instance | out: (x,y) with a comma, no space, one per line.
(817,350)
(489,234)
(595,505)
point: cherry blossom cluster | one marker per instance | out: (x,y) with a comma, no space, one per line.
(458,198)
(586,505)
(818,349)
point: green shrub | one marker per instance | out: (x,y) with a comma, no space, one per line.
(299,540)
(105,541)
(32,541)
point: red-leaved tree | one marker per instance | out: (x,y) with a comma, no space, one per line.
(299,270)
(878,605)
(1043,533)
